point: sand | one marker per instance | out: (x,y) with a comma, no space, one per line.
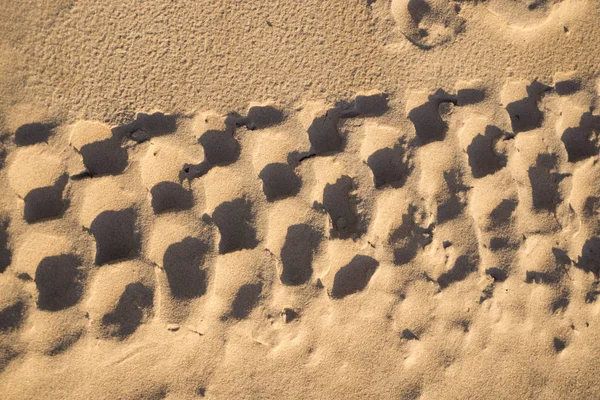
(376,199)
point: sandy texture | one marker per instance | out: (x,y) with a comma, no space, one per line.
(387,199)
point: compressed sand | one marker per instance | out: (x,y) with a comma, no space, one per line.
(386,199)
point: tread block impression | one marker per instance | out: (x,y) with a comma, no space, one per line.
(7,354)
(463,266)
(483,160)
(45,202)
(170,196)
(339,203)
(234,219)
(220,147)
(589,261)
(591,206)
(467,96)
(59,282)
(567,86)
(544,183)
(323,133)
(389,166)
(261,117)
(63,343)
(246,298)
(409,238)
(371,105)
(454,206)
(541,278)
(524,114)
(115,234)
(301,242)
(426,118)
(29,134)
(503,212)
(134,306)
(5,253)
(582,142)
(105,157)
(183,263)
(147,126)
(3,154)
(279,181)
(500,243)
(12,316)
(353,277)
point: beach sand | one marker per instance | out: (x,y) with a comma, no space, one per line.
(376,199)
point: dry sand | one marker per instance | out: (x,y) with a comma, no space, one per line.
(384,199)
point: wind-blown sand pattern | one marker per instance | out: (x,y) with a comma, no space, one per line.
(387,199)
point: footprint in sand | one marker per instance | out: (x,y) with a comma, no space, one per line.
(428,23)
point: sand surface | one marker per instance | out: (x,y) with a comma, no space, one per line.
(375,199)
